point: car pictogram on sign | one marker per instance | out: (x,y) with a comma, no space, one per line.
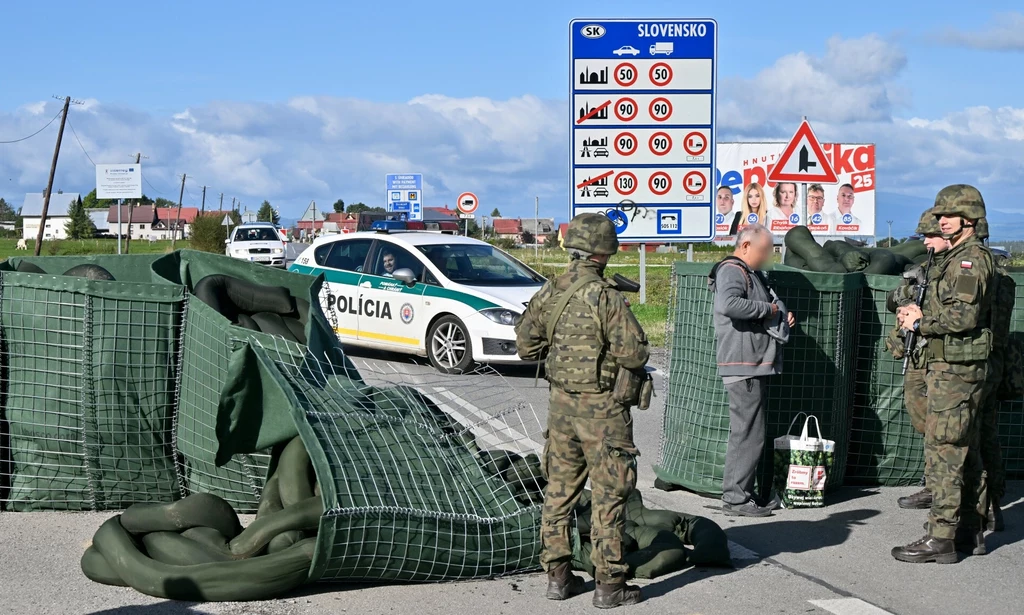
(626,50)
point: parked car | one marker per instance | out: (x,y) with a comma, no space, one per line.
(257,242)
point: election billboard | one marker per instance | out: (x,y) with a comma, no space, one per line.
(846,208)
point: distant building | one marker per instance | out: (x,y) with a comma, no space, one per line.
(99,220)
(539,227)
(57,216)
(508,228)
(165,221)
(140,226)
(439,213)
(312,219)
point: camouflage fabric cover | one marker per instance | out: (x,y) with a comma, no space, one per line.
(959,200)
(928,224)
(594,233)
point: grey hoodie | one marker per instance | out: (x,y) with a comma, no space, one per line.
(743,306)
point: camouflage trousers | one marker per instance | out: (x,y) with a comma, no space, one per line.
(953,470)
(915,397)
(991,450)
(603,449)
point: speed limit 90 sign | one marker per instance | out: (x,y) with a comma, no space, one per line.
(643,124)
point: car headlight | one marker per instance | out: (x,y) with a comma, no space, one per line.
(501,316)
(278,251)
(240,251)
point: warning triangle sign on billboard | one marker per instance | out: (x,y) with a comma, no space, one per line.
(803,160)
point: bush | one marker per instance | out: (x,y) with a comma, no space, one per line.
(209,233)
(503,243)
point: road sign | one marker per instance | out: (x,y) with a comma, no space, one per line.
(467,216)
(642,120)
(803,160)
(467,203)
(227,220)
(119,181)
(405,194)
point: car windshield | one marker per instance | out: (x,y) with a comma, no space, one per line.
(479,265)
(256,234)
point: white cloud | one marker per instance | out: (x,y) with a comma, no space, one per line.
(507,151)
(1004,33)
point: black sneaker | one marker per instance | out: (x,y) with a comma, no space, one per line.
(748,509)
(774,502)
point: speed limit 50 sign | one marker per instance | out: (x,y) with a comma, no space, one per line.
(643,125)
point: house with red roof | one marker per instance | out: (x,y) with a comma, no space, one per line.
(508,228)
(168,220)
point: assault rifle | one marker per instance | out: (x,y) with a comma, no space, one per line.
(909,338)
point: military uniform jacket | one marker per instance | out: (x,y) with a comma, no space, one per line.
(595,335)
(956,308)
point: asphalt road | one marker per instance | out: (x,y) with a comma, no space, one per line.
(831,560)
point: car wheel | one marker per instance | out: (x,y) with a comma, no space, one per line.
(448,346)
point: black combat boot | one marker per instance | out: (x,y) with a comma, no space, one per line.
(928,549)
(969,540)
(611,595)
(919,501)
(562,583)
(995,517)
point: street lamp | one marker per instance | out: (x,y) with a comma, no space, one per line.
(485,227)
(889,222)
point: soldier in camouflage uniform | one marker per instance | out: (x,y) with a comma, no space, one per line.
(583,329)
(915,391)
(991,451)
(954,323)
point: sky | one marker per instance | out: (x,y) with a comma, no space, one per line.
(300,101)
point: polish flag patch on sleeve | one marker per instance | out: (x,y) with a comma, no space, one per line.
(966,264)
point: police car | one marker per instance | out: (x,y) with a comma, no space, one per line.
(453,299)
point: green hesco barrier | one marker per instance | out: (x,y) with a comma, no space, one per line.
(1011,413)
(816,379)
(406,496)
(884,448)
(90,385)
(209,339)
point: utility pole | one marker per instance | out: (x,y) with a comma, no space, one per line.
(49,183)
(203,208)
(221,206)
(232,204)
(536,225)
(314,219)
(131,213)
(889,222)
(177,217)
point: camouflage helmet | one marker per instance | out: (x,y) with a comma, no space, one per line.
(959,200)
(981,228)
(593,233)
(929,224)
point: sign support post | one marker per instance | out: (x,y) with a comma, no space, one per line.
(643,273)
(119,201)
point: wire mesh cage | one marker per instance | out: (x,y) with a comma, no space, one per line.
(89,380)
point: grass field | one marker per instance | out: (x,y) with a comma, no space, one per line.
(71,247)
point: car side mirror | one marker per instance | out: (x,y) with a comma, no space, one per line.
(405,276)
(227,241)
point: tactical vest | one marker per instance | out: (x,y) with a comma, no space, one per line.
(961,348)
(577,360)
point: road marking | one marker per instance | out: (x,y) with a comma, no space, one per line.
(519,440)
(739,552)
(849,606)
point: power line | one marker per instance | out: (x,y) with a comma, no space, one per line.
(80,142)
(146,179)
(36,132)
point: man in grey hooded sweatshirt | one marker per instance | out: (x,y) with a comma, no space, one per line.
(751,324)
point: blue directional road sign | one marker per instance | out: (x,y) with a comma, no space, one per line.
(405,194)
(642,118)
